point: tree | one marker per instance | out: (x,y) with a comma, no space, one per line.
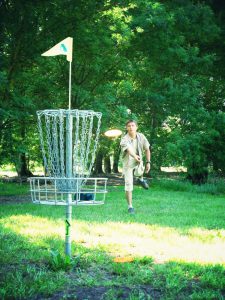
(160,61)
(95,65)
(174,84)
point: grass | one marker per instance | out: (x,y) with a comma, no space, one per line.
(176,241)
(8,189)
(214,186)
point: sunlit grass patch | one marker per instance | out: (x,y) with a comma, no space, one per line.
(140,240)
(206,235)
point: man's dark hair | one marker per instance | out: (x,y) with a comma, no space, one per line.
(131,121)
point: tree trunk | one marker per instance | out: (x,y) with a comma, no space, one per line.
(22,166)
(107,165)
(98,163)
(116,158)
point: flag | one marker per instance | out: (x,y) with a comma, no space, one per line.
(64,47)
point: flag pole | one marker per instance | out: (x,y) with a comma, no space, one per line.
(69,163)
(70,69)
(65,47)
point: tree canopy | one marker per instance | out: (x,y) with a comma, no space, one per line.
(160,62)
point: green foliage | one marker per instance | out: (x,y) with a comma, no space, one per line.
(161,62)
(58,262)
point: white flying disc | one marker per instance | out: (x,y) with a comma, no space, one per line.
(113,133)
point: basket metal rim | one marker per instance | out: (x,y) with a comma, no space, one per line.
(67,178)
(73,203)
(65,112)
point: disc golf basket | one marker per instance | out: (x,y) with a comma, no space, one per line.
(69,140)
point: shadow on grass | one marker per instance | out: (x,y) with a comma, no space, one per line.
(24,268)
(26,273)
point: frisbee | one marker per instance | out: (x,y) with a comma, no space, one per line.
(123,259)
(113,133)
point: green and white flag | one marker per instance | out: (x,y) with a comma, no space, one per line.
(65,47)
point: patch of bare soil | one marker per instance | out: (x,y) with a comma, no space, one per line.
(104,292)
(15,199)
(113,179)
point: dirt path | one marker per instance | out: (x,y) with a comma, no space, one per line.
(15,199)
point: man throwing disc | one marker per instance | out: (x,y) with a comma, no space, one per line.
(133,145)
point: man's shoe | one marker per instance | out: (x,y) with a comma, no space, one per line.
(131,210)
(144,184)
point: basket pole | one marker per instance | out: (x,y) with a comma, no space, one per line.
(69,148)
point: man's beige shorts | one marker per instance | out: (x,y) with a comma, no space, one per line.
(128,177)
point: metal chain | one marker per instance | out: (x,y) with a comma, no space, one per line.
(42,144)
(52,134)
(89,139)
(95,144)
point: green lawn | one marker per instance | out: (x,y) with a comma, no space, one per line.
(176,241)
(8,189)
